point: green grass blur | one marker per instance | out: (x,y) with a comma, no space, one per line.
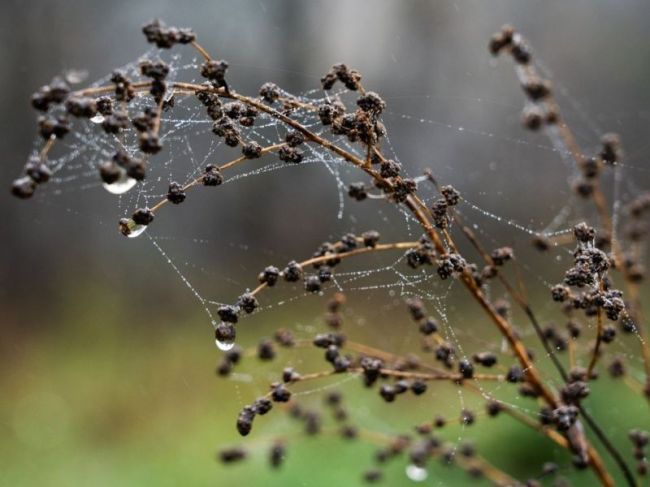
(102,400)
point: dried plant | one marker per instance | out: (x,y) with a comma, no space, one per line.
(602,287)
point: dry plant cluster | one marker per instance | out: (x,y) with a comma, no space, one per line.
(601,288)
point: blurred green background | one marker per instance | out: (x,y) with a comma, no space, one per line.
(99,402)
(106,359)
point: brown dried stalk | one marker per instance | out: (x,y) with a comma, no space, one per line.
(439,237)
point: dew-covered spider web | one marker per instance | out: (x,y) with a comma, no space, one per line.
(376,285)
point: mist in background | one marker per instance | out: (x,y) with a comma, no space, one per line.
(106,359)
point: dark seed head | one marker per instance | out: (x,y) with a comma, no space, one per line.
(312,284)
(212,176)
(370,238)
(228,313)
(251,150)
(232,455)
(269,275)
(466,368)
(23,187)
(143,216)
(176,193)
(279,393)
(109,172)
(418,387)
(277,454)
(225,332)
(247,302)
(245,420)
(270,92)
(38,170)
(293,272)
(265,350)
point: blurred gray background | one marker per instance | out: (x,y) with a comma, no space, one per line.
(427,58)
(64,268)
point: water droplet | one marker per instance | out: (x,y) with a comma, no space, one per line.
(99,118)
(137,231)
(225,334)
(75,76)
(122,185)
(131,229)
(224,346)
(415,473)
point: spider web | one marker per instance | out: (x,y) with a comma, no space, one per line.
(189,146)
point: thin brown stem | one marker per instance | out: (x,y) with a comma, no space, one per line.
(571,347)
(526,72)
(600,202)
(47,148)
(345,255)
(531,423)
(223,167)
(491,472)
(415,205)
(443,376)
(502,324)
(202,51)
(520,299)
(157,121)
(496,475)
(599,335)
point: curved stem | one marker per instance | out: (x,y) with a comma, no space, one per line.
(599,339)
(227,165)
(415,205)
(201,50)
(569,141)
(344,255)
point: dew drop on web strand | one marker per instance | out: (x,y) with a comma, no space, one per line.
(122,185)
(99,118)
(131,229)
(224,345)
(224,342)
(415,473)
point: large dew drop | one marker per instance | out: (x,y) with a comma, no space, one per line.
(415,473)
(224,334)
(137,231)
(224,346)
(122,185)
(131,229)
